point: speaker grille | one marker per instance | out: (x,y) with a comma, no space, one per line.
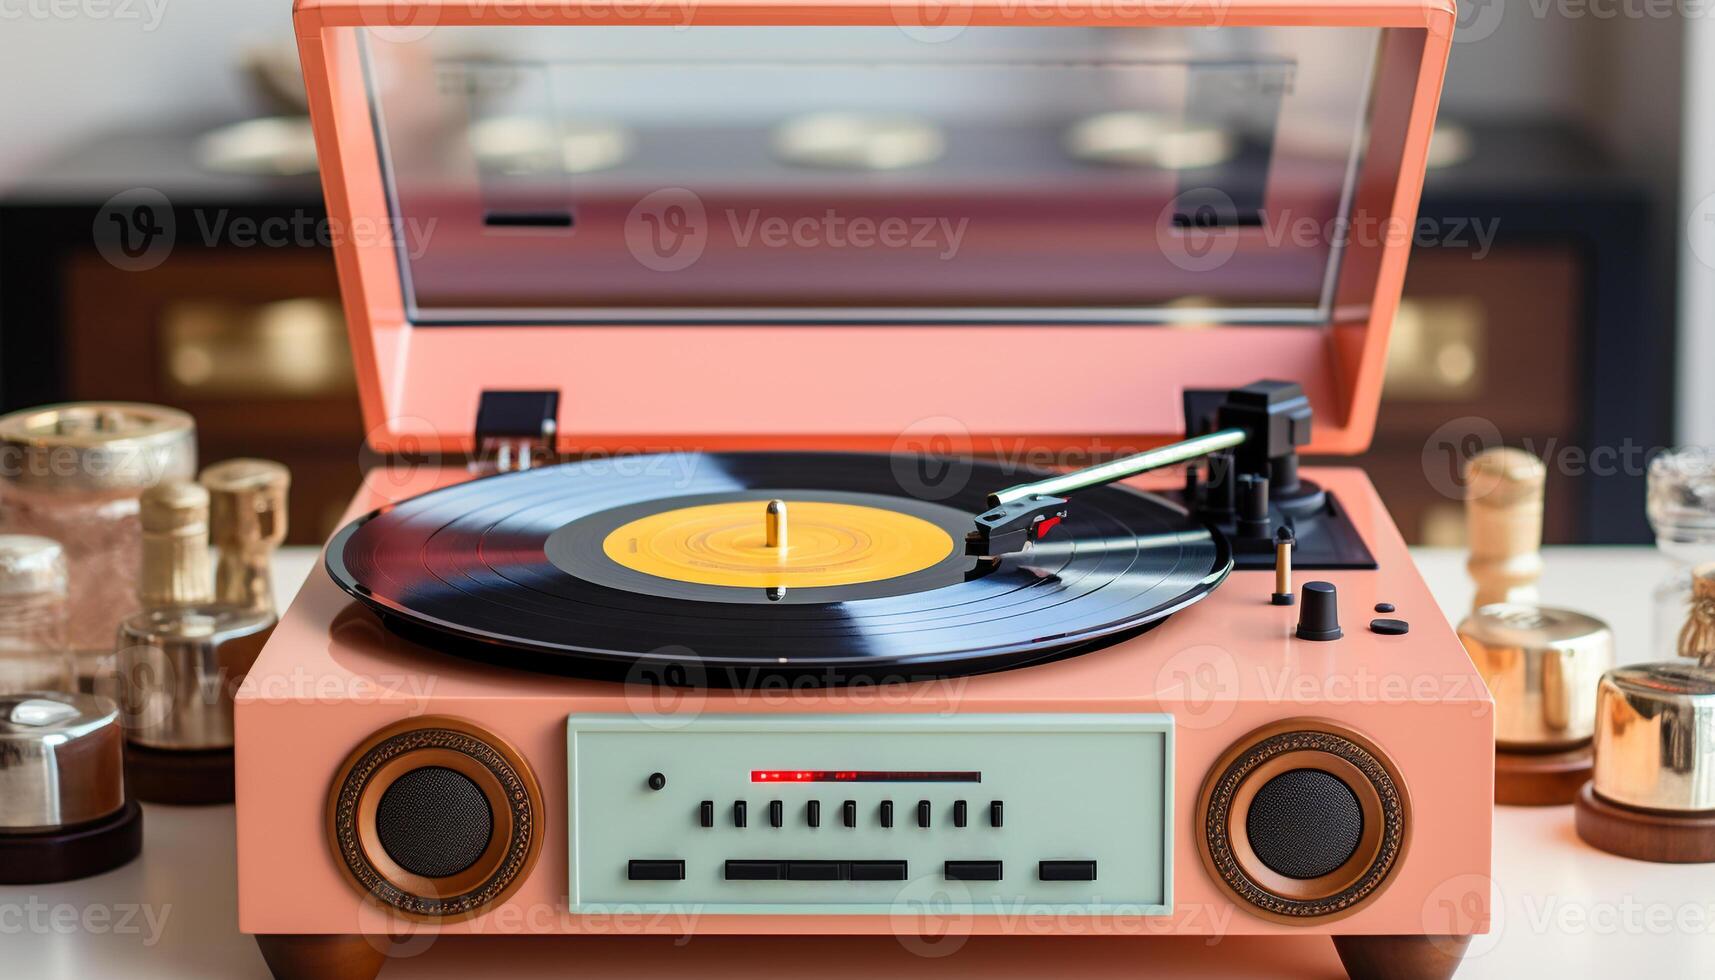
(1305,823)
(434,822)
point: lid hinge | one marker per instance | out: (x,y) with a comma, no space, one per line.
(515,430)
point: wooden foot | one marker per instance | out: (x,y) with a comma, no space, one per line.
(1541,778)
(293,957)
(1400,957)
(1647,835)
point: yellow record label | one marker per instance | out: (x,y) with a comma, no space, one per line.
(825,544)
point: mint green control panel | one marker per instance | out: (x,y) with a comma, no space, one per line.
(1003,814)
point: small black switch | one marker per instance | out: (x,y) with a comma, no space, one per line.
(848,812)
(657,781)
(776,814)
(878,870)
(923,813)
(814,871)
(971,870)
(994,814)
(959,814)
(706,813)
(1390,627)
(738,815)
(887,813)
(655,871)
(813,813)
(1319,612)
(1066,870)
(755,870)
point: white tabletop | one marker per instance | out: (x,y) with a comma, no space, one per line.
(1562,908)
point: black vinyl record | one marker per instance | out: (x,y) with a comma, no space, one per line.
(510,569)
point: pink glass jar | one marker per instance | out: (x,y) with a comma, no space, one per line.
(74,473)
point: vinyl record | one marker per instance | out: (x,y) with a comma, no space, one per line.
(656,568)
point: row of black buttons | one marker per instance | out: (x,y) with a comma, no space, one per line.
(848,813)
(674,870)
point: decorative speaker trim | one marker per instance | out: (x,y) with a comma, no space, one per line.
(1302,743)
(487,760)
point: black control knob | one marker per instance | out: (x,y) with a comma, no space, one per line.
(738,814)
(1319,612)
(960,814)
(657,781)
(995,813)
(848,813)
(1253,507)
(922,813)
(813,813)
(887,813)
(706,813)
(776,814)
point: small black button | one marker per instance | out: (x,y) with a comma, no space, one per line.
(878,870)
(959,813)
(814,871)
(922,813)
(1384,607)
(848,811)
(657,781)
(738,817)
(655,871)
(776,814)
(706,813)
(813,813)
(887,813)
(971,870)
(1066,870)
(994,814)
(755,870)
(1390,627)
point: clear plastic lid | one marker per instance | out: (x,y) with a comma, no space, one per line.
(858,174)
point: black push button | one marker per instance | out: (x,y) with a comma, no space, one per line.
(755,870)
(848,812)
(878,870)
(959,815)
(738,816)
(813,813)
(994,814)
(776,814)
(814,871)
(971,870)
(1066,871)
(922,813)
(887,813)
(706,813)
(655,871)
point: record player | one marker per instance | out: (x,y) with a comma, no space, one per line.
(791,515)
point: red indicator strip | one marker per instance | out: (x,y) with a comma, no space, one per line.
(860,776)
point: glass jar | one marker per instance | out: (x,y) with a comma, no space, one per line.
(34,656)
(73,473)
(1681,508)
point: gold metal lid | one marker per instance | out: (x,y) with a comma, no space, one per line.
(1541,666)
(247,501)
(175,507)
(61,760)
(96,446)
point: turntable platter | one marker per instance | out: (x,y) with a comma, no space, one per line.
(662,568)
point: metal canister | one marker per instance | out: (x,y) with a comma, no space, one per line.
(1655,737)
(62,761)
(73,473)
(1542,666)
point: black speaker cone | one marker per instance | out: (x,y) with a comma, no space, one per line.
(434,822)
(1304,823)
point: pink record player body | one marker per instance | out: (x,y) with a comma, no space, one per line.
(1214,775)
